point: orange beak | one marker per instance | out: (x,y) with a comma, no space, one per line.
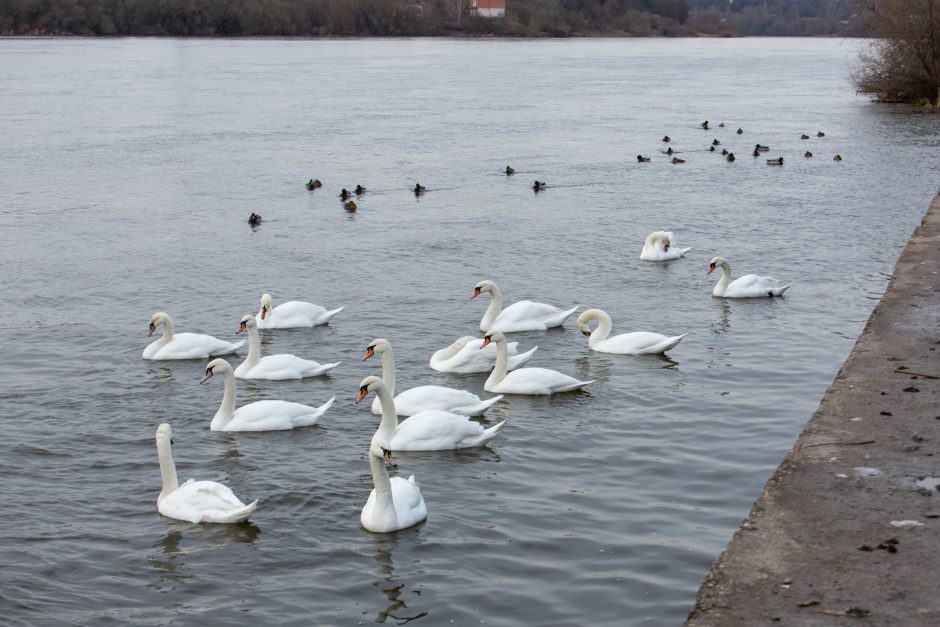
(205,378)
(264,312)
(362,395)
(486,342)
(152,329)
(711,269)
(476,292)
(369,353)
(241,328)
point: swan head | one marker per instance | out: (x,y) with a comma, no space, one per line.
(216,366)
(378,345)
(586,316)
(716,262)
(157,320)
(381,448)
(164,434)
(267,304)
(494,336)
(248,321)
(481,287)
(367,384)
(659,236)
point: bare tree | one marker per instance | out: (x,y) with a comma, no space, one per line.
(903,65)
(457,8)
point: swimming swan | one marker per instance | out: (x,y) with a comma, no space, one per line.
(465,356)
(260,415)
(430,430)
(195,501)
(424,397)
(747,286)
(658,247)
(394,503)
(293,314)
(636,343)
(535,381)
(522,316)
(184,345)
(274,367)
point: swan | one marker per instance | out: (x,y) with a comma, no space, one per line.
(522,316)
(424,397)
(636,343)
(274,367)
(747,286)
(394,503)
(260,415)
(292,315)
(465,356)
(430,430)
(184,345)
(658,247)
(535,381)
(195,501)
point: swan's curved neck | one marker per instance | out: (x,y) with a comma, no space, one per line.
(603,329)
(254,345)
(502,362)
(454,348)
(167,330)
(167,469)
(725,279)
(227,408)
(384,504)
(493,311)
(388,370)
(389,415)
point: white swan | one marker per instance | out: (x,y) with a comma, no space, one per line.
(424,397)
(394,503)
(465,356)
(184,345)
(195,501)
(636,343)
(747,286)
(430,430)
(260,415)
(274,367)
(292,315)
(522,316)
(658,247)
(535,381)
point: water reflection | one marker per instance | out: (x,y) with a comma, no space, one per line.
(397,609)
(171,569)
(722,324)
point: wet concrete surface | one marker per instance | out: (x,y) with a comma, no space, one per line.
(847,531)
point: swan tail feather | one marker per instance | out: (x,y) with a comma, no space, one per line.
(234,516)
(559,319)
(671,343)
(490,433)
(325,318)
(231,349)
(780,290)
(516,361)
(479,409)
(571,387)
(306,420)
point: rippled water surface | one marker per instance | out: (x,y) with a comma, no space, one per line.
(128,173)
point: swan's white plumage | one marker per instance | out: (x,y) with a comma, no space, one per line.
(274,367)
(292,314)
(424,397)
(525,315)
(636,343)
(269,415)
(464,356)
(747,286)
(195,501)
(532,381)
(172,345)
(659,247)
(394,503)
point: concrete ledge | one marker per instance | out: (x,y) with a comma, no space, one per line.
(819,546)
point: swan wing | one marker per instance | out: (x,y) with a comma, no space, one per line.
(469,358)
(284,366)
(274,416)
(754,286)
(205,501)
(537,381)
(529,316)
(294,314)
(409,502)
(437,431)
(195,346)
(637,343)
(424,397)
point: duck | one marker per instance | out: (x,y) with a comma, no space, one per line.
(464,356)
(311,185)
(419,189)
(807,154)
(531,381)
(804,136)
(756,152)
(423,397)
(667,139)
(669,150)
(395,503)
(350,206)
(705,125)
(820,134)
(522,316)
(636,343)
(658,247)
(294,314)
(715,142)
(509,171)
(678,160)
(260,415)
(777,161)
(760,148)
(642,159)
(730,157)
(173,345)
(711,149)
(344,194)
(538,185)
(274,367)
(360,190)
(195,501)
(837,158)
(254,220)
(429,430)
(739,131)
(721,125)
(747,286)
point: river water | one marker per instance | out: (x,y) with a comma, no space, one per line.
(130,167)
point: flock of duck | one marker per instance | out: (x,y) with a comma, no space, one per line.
(436,417)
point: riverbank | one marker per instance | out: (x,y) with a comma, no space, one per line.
(849,524)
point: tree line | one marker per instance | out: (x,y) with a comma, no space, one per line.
(326,18)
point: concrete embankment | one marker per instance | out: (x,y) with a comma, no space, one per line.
(847,531)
